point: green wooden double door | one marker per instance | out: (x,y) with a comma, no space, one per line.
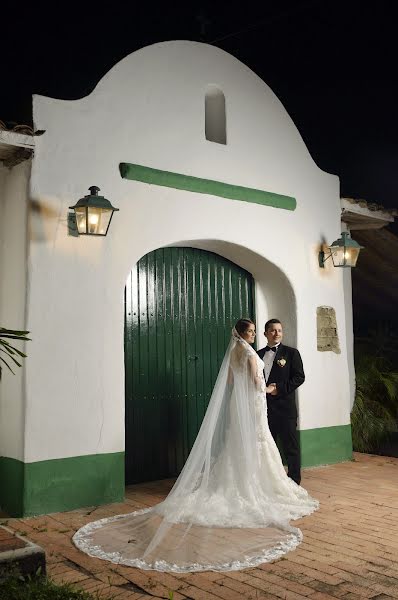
(180,307)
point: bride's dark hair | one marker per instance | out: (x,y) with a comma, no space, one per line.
(243,325)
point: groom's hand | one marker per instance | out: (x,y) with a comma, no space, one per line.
(274,390)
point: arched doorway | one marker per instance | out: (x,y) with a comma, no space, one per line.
(180,306)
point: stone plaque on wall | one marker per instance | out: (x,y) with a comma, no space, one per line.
(326,328)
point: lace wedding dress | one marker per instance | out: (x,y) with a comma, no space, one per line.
(231,505)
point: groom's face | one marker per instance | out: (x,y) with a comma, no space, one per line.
(274,334)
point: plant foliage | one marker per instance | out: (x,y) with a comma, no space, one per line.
(375,412)
(9,354)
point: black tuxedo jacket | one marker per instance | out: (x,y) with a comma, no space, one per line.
(288,374)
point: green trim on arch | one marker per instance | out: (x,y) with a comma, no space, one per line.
(205,186)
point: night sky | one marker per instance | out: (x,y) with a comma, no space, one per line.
(332,64)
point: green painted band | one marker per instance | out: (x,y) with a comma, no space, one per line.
(325,445)
(47,486)
(61,484)
(12,473)
(205,186)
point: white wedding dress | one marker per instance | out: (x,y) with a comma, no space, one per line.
(231,505)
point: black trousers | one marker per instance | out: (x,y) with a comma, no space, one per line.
(285,429)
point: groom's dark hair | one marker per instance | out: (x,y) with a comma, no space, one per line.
(271,322)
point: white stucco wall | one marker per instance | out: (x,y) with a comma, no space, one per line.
(13,288)
(149,109)
(347,285)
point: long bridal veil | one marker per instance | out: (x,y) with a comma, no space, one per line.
(230,507)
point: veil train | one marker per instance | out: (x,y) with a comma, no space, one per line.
(231,504)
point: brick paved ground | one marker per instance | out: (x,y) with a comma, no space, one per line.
(350,547)
(8,541)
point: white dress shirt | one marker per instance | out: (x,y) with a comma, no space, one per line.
(268,359)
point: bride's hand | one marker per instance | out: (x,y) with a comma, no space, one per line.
(271,389)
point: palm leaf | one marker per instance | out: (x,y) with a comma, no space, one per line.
(371,424)
(12,358)
(7,345)
(13,331)
(10,350)
(390,382)
(14,337)
(6,363)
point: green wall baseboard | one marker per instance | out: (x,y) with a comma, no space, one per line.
(62,484)
(47,486)
(12,473)
(325,445)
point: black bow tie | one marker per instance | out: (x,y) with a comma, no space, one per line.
(269,348)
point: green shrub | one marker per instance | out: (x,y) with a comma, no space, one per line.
(375,411)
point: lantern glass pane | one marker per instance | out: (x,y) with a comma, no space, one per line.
(351,256)
(337,255)
(94,219)
(344,256)
(105,217)
(81,219)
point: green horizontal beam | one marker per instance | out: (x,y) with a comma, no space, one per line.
(205,186)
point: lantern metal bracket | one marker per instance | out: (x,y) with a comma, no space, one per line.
(322,259)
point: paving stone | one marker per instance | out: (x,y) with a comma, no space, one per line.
(20,553)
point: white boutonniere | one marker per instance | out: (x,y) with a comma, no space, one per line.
(281,362)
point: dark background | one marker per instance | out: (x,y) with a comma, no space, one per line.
(332,64)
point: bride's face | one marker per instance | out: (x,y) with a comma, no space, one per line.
(250,334)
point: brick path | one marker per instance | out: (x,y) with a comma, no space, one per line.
(8,541)
(350,547)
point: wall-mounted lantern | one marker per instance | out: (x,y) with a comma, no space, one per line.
(344,252)
(93,213)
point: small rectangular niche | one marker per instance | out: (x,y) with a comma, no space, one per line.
(215,116)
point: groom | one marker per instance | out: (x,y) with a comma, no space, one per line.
(283,370)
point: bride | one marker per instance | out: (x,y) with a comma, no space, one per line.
(231,504)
